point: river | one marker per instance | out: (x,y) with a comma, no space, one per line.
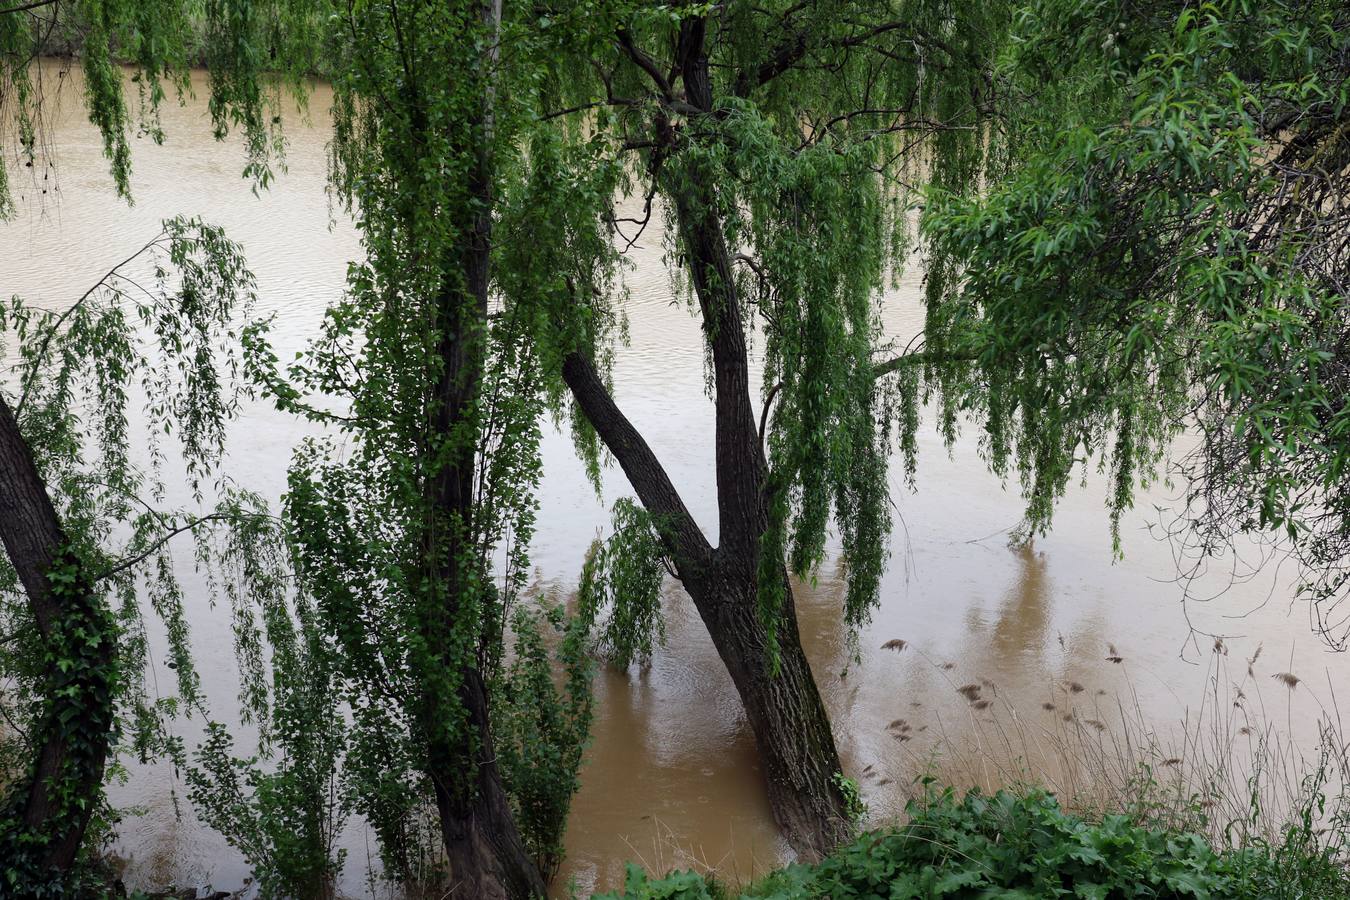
(670,777)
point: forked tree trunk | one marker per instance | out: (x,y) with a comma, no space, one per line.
(792,729)
(784,707)
(65,782)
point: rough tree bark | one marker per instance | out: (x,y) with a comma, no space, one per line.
(785,710)
(35,541)
(486,855)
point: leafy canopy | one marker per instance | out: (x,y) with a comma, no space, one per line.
(817,119)
(1165,252)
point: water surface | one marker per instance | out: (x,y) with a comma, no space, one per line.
(671,776)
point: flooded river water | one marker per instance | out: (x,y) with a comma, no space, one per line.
(670,776)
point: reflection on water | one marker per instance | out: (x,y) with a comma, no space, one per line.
(671,777)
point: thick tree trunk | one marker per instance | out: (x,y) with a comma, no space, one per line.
(486,856)
(792,729)
(784,708)
(75,734)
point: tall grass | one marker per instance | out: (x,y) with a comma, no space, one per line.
(1229,770)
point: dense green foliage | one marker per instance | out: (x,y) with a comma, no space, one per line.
(541,729)
(78,697)
(1022,845)
(412,539)
(1134,225)
(1166,251)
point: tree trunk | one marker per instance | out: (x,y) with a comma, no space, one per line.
(486,855)
(75,733)
(784,708)
(792,730)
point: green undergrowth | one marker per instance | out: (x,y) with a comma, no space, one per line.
(1024,845)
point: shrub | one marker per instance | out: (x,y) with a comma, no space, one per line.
(1023,845)
(675,886)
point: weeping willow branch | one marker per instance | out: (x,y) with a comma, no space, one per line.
(131,561)
(61,319)
(879,370)
(921,358)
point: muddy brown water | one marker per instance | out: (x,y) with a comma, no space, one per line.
(670,777)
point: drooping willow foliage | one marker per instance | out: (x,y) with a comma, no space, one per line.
(373,625)
(160,351)
(1168,251)
(283,811)
(254,51)
(623,574)
(81,374)
(412,533)
(825,116)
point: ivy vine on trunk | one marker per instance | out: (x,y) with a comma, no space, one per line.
(67,480)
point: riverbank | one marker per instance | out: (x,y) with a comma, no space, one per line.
(1227,806)
(1024,844)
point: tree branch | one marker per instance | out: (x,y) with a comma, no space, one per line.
(51,332)
(25,7)
(153,548)
(644,62)
(683,537)
(919,358)
(791,51)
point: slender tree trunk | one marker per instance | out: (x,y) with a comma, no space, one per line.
(486,855)
(73,739)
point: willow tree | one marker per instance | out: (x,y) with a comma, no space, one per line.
(403,530)
(411,534)
(75,640)
(776,138)
(70,486)
(1167,250)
